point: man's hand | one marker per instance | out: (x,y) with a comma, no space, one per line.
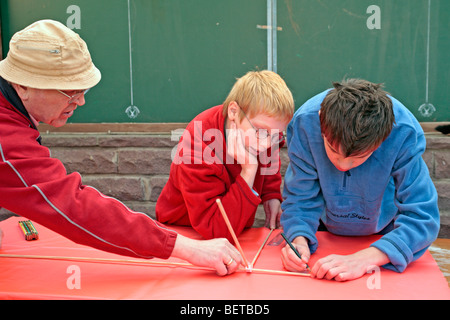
(273,211)
(218,254)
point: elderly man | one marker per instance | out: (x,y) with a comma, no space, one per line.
(43,79)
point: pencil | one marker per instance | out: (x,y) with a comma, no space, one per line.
(230,228)
(25,232)
(293,249)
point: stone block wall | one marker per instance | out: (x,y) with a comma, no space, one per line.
(437,158)
(135,167)
(132,168)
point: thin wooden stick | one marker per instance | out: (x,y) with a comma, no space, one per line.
(260,249)
(100,260)
(286,273)
(230,228)
(141,262)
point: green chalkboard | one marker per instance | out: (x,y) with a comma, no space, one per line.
(406,49)
(168,60)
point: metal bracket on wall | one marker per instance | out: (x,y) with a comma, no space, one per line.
(272,35)
(272,29)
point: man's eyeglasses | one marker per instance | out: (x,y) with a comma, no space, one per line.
(75,97)
(263,134)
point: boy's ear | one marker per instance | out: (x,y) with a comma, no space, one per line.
(233,111)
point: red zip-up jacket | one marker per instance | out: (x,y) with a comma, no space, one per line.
(201,173)
(37,187)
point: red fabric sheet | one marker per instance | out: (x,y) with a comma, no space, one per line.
(48,279)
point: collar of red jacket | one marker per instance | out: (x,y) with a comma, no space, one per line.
(11,96)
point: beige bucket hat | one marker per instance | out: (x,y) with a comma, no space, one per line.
(48,55)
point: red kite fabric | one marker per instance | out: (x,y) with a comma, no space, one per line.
(46,278)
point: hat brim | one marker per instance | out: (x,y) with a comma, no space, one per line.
(85,80)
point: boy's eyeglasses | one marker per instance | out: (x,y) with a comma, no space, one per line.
(75,97)
(263,134)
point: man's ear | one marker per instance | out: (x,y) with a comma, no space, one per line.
(233,111)
(22,91)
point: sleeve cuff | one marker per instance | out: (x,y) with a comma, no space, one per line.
(399,254)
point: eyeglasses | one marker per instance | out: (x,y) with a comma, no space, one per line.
(75,97)
(263,134)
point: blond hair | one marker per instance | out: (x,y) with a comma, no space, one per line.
(261,92)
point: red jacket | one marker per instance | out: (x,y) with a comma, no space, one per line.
(195,182)
(36,186)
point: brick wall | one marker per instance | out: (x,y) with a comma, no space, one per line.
(437,158)
(135,167)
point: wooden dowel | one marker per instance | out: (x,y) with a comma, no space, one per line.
(99,260)
(260,249)
(142,262)
(286,273)
(230,228)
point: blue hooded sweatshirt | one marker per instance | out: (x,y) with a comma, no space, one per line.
(391,193)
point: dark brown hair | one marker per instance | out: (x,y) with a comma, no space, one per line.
(356,116)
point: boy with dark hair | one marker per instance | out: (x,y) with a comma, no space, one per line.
(356,169)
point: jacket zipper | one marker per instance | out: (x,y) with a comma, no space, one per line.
(344,182)
(38,49)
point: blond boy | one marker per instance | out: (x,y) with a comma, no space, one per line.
(230,152)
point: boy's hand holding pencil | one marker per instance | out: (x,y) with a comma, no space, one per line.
(291,253)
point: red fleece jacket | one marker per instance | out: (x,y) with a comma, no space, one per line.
(36,186)
(202,172)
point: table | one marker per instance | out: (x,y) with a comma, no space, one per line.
(77,279)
